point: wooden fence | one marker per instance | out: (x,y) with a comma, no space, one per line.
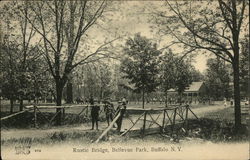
(162,118)
(40,109)
(158,119)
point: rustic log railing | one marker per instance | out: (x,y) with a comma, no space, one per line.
(161,117)
(38,109)
(165,117)
(14,114)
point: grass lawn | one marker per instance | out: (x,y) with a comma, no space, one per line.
(219,126)
(226,114)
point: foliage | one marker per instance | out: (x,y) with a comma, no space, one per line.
(60,29)
(62,26)
(140,63)
(167,70)
(176,72)
(22,66)
(100,74)
(183,78)
(196,75)
(218,78)
(19,84)
(9,81)
(207,26)
(216,130)
(103,73)
(213,26)
(121,87)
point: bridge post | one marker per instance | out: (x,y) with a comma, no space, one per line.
(173,121)
(186,119)
(163,121)
(35,117)
(63,115)
(144,123)
(87,111)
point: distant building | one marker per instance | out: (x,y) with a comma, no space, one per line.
(194,92)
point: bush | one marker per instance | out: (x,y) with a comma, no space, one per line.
(216,130)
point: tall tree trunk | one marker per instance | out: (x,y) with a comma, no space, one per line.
(237,109)
(21,104)
(59,90)
(143,97)
(236,72)
(69,91)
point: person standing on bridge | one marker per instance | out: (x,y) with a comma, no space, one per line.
(94,113)
(122,111)
(109,110)
(124,102)
(225,102)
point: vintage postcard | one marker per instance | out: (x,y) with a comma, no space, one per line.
(124,80)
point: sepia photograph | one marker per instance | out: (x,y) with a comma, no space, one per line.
(124,79)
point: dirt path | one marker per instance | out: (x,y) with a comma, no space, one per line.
(36,133)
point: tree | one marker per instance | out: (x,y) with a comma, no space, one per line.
(90,77)
(167,72)
(63,26)
(103,74)
(41,81)
(183,77)
(211,26)
(9,81)
(244,67)
(218,78)
(18,46)
(140,64)
(93,79)
(196,75)
(175,73)
(120,85)
(19,84)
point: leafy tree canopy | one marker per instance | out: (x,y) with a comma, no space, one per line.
(140,64)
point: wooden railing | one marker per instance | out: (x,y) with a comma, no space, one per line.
(161,117)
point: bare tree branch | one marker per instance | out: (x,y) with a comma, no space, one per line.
(98,50)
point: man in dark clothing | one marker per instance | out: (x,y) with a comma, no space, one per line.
(109,110)
(91,100)
(94,113)
(122,107)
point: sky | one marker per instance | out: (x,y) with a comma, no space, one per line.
(131,17)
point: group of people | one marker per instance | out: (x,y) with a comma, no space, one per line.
(109,110)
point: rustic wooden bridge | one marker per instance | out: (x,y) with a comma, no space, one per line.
(132,120)
(149,121)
